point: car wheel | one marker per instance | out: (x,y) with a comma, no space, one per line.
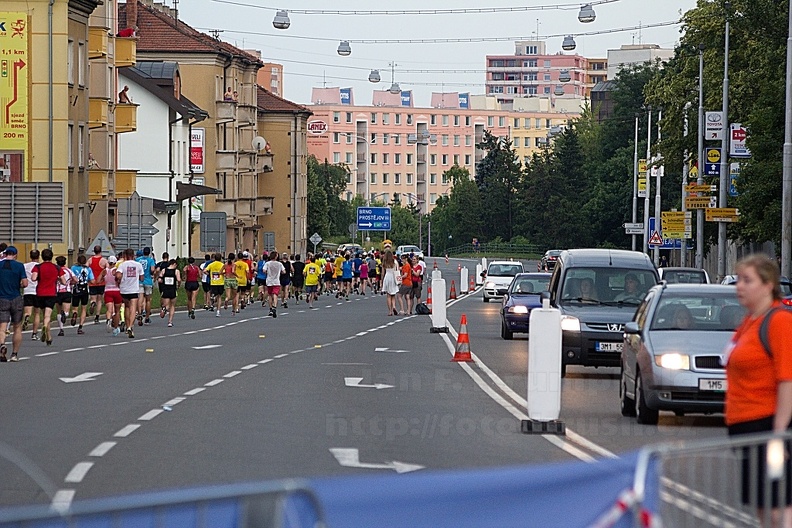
(505,332)
(626,404)
(643,414)
(486,299)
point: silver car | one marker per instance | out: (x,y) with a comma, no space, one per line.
(673,354)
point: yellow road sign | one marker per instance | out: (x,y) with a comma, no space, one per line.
(642,166)
(713,155)
(694,187)
(722,214)
(701,202)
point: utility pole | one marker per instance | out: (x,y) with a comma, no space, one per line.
(685,174)
(659,172)
(635,185)
(700,162)
(724,175)
(647,234)
(786,202)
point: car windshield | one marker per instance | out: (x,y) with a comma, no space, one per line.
(504,270)
(410,249)
(612,286)
(553,253)
(699,312)
(685,277)
(529,285)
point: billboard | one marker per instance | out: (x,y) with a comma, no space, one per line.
(196,203)
(14,80)
(406,98)
(346,96)
(197,152)
(464,100)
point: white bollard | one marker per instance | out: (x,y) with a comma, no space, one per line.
(439,306)
(479,278)
(484,262)
(464,285)
(544,372)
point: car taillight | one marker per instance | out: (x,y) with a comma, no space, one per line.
(787,302)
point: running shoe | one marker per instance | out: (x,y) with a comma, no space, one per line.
(192,314)
(147,321)
(48,339)
(34,337)
(122,326)
(80,331)
(109,326)
(25,323)
(170,325)
(92,308)
(285,305)
(217,314)
(63,317)
(274,313)
(140,319)
(61,333)
(74,318)
(162,313)
(3,352)
(116,331)
(14,357)
(96,319)
(130,334)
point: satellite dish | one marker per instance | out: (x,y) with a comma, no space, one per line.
(259,143)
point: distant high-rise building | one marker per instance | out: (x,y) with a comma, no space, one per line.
(270,77)
(635,54)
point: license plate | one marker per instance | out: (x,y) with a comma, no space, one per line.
(717,385)
(608,347)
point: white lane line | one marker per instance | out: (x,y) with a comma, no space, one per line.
(153,413)
(127,430)
(363,333)
(338,341)
(190,332)
(97,346)
(159,337)
(194,391)
(517,413)
(119,343)
(62,500)
(207,329)
(248,367)
(232,374)
(45,354)
(213,383)
(74,349)
(102,449)
(264,361)
(174,401)
(280,356)
(77,473)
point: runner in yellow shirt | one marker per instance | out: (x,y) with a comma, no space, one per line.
(216,273)
(312,273)
(241,270)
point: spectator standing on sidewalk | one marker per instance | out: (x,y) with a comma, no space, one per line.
(390,281)
(12,305)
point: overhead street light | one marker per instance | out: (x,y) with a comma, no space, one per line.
(564,76)
(569,43)
(374,76)
(587,14)
(344,49)
(395,88)
(559,90)
(281,20)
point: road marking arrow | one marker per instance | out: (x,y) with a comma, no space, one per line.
(87,376)
(350,457)
(355,382)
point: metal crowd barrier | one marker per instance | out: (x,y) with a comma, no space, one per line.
(282,504)
(700,484)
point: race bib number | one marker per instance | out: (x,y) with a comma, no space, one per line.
(131,272)
(170,281)
(215,275)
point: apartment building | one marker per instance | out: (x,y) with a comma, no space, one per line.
(270,77)
(401,153)
(629,55)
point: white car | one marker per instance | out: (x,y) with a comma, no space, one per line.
(499,275)
(406,250)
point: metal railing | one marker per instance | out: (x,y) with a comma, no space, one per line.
(498,249)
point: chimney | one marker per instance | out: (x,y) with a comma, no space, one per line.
(131,13)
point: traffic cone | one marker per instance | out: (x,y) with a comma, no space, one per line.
(472,284)
(459,268)
(429,299)
(462,352)
(452,295)
(446,259)
(435,264)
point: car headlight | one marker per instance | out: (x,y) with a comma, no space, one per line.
(570,323)
(518,309)
(490,285)
(673,361)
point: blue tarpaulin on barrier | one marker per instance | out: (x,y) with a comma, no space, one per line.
(574,494)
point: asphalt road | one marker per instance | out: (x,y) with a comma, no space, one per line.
(340,390)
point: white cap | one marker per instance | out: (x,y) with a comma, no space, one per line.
(111,259)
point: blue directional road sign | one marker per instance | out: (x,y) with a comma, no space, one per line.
(374,218)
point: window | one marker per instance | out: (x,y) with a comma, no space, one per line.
(467,159)
(336,157)
(80,146)
(336,137)
(433,159)
(527,142)
(373,178)
(456,120)
(348,139)
(496,89)
(445,179)
(336,117)
(531,50)
(384,158)
(70,145)
(537,123)
(348,158)
(373,118)
(385,178)
(445,159)
(547,123)
(70,61)
(467,120)
(456,159)
(490,121)
(468,140)
(530,76)
(445,140)
(547,77)
(527,122)
(530,63)
(456,140)
(539,142)
(349,177)
(433,119)
(547,63)
(516,122)
(409,119)
(81,57)
(373,138)
(373,158)
(397,197)
(397,159)
(397,139)
(409,178)
(511,89)
(409,159)
(385,139)
(397,119)
(396,178)
(432,198)
(546,90)
(386,119)
(433,179)
(445,120)
(349,117)
(501,121)
(348,196)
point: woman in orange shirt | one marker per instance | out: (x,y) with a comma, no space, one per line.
(759,395)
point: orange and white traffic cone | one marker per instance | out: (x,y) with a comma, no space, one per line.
(472,284)
(462,352)
(459,268)
(429,299)
(452,295)
(446,259)
(435,265)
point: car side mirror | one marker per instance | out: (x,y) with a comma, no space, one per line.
(632,328)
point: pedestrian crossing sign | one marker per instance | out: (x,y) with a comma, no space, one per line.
(655,239)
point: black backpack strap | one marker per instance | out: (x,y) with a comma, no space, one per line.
(764,331)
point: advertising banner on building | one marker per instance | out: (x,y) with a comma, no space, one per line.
(346,96)
(14,112)
(196,203)
(464,100)
(406,98)
(197,151)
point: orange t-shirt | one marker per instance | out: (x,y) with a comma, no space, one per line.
(406,271)
(752,374)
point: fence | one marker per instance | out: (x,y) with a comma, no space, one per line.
(497,249)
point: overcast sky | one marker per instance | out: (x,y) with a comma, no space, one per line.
(310,61)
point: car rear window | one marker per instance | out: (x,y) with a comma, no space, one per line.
(685,277)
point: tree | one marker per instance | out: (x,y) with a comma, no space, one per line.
(318,217)
(498,176)
(333,179)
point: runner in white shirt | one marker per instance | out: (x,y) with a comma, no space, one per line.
(129,274)
(273,268)
(29,293)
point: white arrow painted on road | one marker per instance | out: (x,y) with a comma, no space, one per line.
(87,376)
(355,382)
(389,350)
(350,457)
(207,347)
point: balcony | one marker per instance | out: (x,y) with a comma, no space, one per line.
(420,158)
(98,184)
(265,162)
(97,112)
(125,183)
(421,179)
(225,161)
(361,157)
(97,42)
(225,111)
(246,115)
(247,161)
(361,177)
(125,51)
(125,117)
(264,205)
(248,185)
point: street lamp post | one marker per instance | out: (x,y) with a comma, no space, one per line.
(646,236)
(722,191)
(786,204)
(700,162)
(635,185)
(419,202)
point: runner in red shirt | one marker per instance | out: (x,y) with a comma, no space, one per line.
(96,287)
(47,275)
(192,279)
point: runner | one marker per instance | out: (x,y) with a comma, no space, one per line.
(338,274)
(80,294)
(169,281)
(12,305)
(148,264)
(248,297)
(29,294)
(363,275)
(241,271)
(112,297)
(312,273)
(328,274)
(97,263)
(357,263)
(274,270)
(298,278)
(230,283)
(346,277)
(64,296)
(216,271)
(285,279)
(261,278)
(129,275)
(48,275)
(205,282)
(192,277)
